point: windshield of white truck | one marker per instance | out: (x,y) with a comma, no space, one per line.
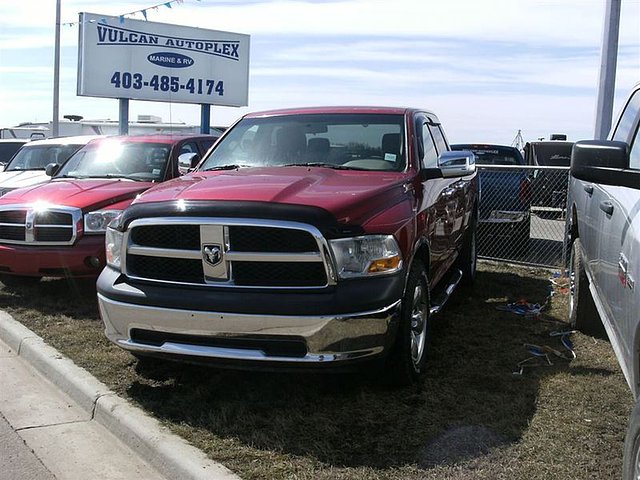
(38,157)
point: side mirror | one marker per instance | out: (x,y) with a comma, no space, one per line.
(458,163)
(599,161)
(187,162)
(51,169)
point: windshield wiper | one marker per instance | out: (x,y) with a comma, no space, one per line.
(225,167)
(110,175)
(321,164)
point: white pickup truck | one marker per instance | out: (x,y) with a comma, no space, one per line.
(604,201)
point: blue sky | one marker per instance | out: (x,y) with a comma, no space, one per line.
(486,67)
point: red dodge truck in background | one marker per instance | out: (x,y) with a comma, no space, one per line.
(57,229)
(317,236)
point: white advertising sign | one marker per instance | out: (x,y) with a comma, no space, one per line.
(123,58)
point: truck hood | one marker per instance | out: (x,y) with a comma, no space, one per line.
(86,194)
(22,178)
(351,196)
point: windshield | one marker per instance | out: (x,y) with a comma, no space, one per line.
(38,157)
(344,141)
(112,158)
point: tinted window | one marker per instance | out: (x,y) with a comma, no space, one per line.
(441,144)
(430,159)
(628,118)
(493,155)
(189,147)
(634,158)
(354,141)
(7,150)
(552,154)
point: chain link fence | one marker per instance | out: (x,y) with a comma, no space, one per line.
(522,214)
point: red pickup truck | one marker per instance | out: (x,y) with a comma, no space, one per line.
(57,229)
(319,236)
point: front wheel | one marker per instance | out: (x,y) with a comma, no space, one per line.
(409,354)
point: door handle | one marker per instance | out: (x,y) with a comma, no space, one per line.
(606,207)
(588,189)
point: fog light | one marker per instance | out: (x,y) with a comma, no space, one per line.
(93,262)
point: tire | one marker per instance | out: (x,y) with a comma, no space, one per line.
(467,261)
(631,457)
(408,356)
(18,281)
(583,314)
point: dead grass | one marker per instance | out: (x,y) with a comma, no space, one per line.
(472,418)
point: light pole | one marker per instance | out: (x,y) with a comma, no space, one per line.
(56,75)
(608,63)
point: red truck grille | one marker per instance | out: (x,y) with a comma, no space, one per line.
(55,225)
(226,253)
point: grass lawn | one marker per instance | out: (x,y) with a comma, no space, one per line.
(471,418)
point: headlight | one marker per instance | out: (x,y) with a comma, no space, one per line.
(366,256)
(96,222)
(113,247)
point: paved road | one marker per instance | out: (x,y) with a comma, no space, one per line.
(45,435)
(17,460)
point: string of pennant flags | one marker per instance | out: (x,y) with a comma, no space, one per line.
(143,12)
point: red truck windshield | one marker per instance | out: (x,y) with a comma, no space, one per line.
(112,158)
(351,141)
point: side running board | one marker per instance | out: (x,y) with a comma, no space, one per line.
(441,298)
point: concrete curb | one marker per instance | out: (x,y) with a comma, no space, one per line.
(166,452)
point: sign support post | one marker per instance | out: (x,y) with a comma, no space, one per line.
(123,116)
(205,119)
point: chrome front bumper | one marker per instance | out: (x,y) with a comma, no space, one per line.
(328,338)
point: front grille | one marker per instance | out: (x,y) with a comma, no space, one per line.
(260,239)
(55,225)
(185,237)
(309,274)
(252,254)
(15,216)
(53,218)
(170,269)
(52,234)
(12,233)
(277,346)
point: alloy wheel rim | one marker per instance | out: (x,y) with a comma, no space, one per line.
(418,325)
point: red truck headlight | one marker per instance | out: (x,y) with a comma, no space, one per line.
(96,222)
(365,256)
